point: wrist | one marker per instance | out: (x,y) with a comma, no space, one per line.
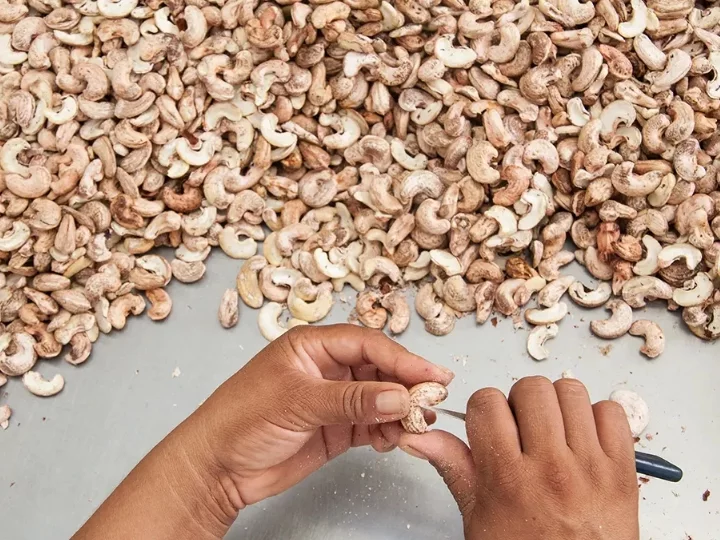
(200,480)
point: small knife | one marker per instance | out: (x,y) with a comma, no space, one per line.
(647,464)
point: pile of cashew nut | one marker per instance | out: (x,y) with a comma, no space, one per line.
(458,145)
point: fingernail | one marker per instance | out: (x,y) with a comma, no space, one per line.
(412,452)
(447,371)
(391,402)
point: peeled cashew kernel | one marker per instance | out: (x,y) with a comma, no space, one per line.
(636,410)
(546,316)
(422,396)
(369,311)
(228,310)
(537,338)
(589,299)
(5,414)
(670,254)
(551,293)
(268,323)
(24,358)
(695,291)
(247,282)
(38,385)
(448,262)
(306,309)
(654,337)
(650,264)
(399,309)
(639,289)
(617,325)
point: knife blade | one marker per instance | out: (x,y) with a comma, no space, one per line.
(647,464)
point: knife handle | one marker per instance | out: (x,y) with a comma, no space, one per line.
(657,467)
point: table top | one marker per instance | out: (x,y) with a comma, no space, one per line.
(62,456)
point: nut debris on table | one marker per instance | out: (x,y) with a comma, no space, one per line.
(368,143)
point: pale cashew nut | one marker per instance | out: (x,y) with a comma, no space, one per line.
(38,385)
(397,305)
(551,293)
(654,337)
(422,396)
(546,316)
(123,306)
(617,325)
(380,265)
(459,295)
(510,295)
(636,410)
(5,414)
(161,304)
(233,247)
(641,288)
(116,9)
(537,338)
(24,358)
(228,310)
(9,154)
(302,306)
(673,252)
(270,327)
(650,264)
(328,268)
(454,57)
(589,299)
(426,302)
(247,283)
(369,311)
(695,291)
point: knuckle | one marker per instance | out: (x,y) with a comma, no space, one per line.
(626,482)
(505,476)
(557,478)
(596,469)
(570,386)
(535,384)
(610,410)
(352,401)
(485,398)
(533,381)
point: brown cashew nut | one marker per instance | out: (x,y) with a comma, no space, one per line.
(422,396)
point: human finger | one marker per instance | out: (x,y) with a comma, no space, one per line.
(613,431)
(578,418)
(348,345)
(451,458)
(491,428)
(535,406)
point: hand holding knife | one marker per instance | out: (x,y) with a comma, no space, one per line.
(648,464)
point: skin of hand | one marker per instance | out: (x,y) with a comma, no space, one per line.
(305,399)
(542,464)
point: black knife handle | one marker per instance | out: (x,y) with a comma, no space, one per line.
(657,467)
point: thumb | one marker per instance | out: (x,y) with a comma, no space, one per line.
(451,458)
(358,402)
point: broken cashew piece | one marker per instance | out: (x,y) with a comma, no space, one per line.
(422,396)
